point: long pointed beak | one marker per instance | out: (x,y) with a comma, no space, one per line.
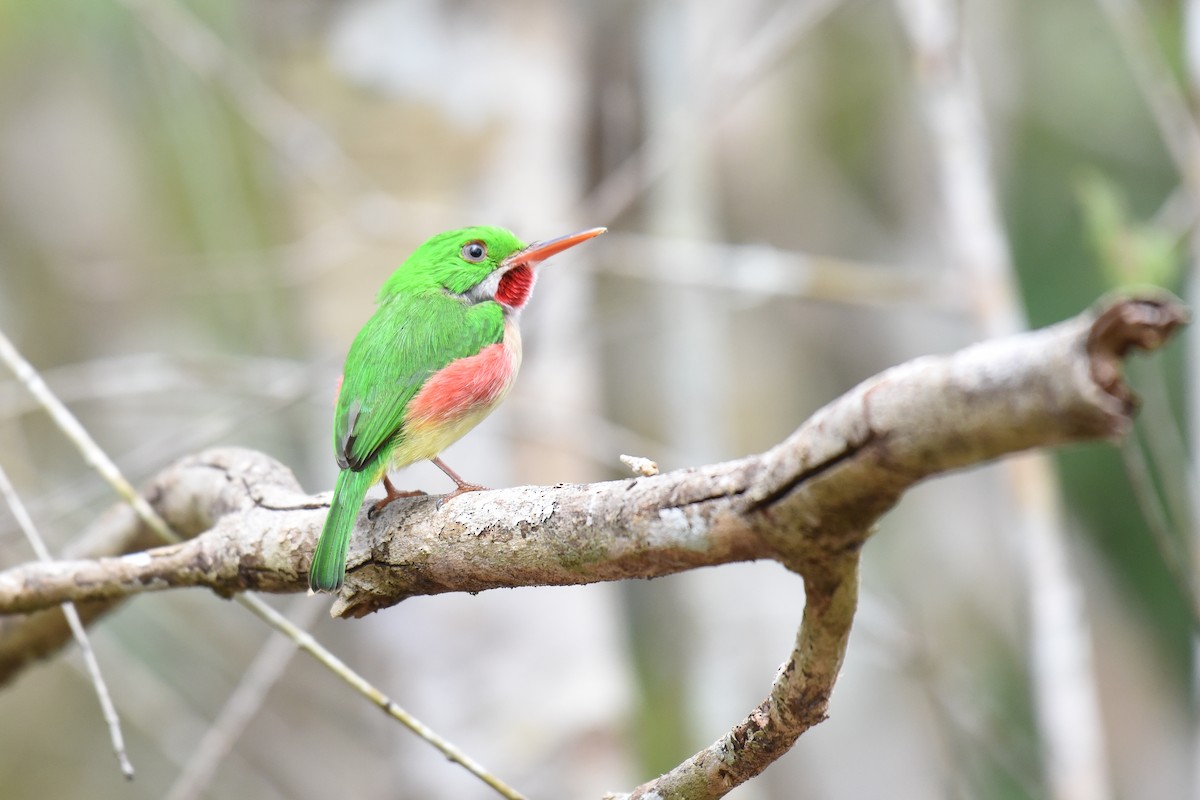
(540,251)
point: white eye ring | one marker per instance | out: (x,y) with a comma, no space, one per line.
(474,252)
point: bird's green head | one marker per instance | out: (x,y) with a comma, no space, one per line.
(478,264)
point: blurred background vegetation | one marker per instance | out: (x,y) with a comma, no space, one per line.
(198,201)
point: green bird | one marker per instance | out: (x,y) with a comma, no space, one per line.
(441,351)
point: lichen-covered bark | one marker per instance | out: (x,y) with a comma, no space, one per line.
(810,503)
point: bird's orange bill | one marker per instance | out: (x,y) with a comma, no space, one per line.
(540,251)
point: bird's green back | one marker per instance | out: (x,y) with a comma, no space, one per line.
(407,340)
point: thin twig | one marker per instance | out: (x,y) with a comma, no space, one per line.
(1178,128)
(1168,105)
(128,376)
(99,460)
(965,735)
(93,456)
(21,514)
(307,643)
(1166,447)
(1173,552)
(276,383)
(240,708)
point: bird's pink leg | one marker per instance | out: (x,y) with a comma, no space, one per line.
(392,494)
(463,486)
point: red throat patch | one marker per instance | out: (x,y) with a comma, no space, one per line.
(515,286)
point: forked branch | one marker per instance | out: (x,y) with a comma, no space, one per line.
(810,502)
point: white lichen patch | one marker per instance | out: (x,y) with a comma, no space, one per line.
(597,497)
(531,507)
(675,527)
(141,559)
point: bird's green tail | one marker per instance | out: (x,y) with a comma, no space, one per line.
(329,559)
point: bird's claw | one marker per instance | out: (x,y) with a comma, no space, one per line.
(463,488)
(392,494)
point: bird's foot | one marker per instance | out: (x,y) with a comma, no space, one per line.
(463,488)
(392,494)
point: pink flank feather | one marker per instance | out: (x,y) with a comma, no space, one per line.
(467,386)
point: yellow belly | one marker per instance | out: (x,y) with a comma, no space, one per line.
(427,441)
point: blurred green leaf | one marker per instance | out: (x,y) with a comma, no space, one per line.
(1129,252)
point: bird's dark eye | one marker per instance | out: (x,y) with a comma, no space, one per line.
(474,252)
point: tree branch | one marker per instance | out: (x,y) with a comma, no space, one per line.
(810,503)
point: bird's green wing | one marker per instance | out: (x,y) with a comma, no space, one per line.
(409,338)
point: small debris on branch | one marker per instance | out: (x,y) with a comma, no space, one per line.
(640,466)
